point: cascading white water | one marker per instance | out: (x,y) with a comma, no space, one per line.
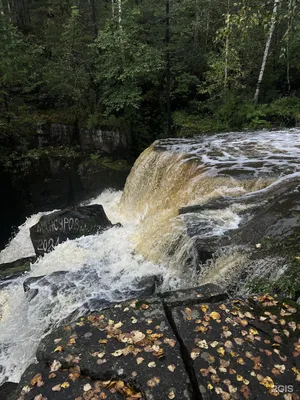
(153,240)
(102,266)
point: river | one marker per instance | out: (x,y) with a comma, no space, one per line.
(153,239)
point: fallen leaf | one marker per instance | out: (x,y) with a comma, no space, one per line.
(215,315)
(171,395)
(87,387)
(56,388)
(152,364)
(65,385)
(267,382)
(171,367)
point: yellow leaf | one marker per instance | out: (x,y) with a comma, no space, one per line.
(58,349)
(267,382)
(65,385)
(215,315)
(221,351)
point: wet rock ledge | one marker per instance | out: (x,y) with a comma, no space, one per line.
(193,344)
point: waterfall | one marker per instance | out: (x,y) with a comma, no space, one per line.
(156,238)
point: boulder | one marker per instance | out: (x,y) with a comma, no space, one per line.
(15,268)
(194,344)
(60,281)
(242,349)
(71,223)
(128,351)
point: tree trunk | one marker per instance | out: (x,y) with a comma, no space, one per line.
(267,49)
(168,68)
(94,17)
(120,13)
(227,48)
(22,14)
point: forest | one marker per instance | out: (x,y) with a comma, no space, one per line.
(156,69)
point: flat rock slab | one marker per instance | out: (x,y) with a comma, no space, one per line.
(206,293)
(57,227)
(131,343)
(15,268)
(243,349)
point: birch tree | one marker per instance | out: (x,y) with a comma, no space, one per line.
(267,50)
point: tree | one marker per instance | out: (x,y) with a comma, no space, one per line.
(267,49)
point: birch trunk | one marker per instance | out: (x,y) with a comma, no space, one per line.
(1,8)
(267,49)
(120,13)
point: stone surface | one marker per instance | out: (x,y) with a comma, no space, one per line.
(7,391)
(72,223)
(49,134)
(209,292)
(242,349)
(15,268)
(132,342)
(109,142)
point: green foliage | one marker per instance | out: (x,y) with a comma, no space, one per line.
(125,65)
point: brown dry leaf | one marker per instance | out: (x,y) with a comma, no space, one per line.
(239,341)
(240,361)
(74,373)
(37,380)
(228,344)
(55,366)
(103,396)
(56,388)
(153,382)
(103,341)
(292,325)
(72,341)
(245,392)
(139,360)
(137,336)
(38,397)
(227,334)
(277,339)
(200,329)
(52,375)
(170,342)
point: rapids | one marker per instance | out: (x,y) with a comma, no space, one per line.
(154,239)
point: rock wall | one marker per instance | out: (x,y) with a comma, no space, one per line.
(109,142)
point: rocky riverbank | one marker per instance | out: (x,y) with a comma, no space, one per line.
(191,344)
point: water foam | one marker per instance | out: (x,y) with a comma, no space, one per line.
(101,267)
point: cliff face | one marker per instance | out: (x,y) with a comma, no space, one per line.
(65,165)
